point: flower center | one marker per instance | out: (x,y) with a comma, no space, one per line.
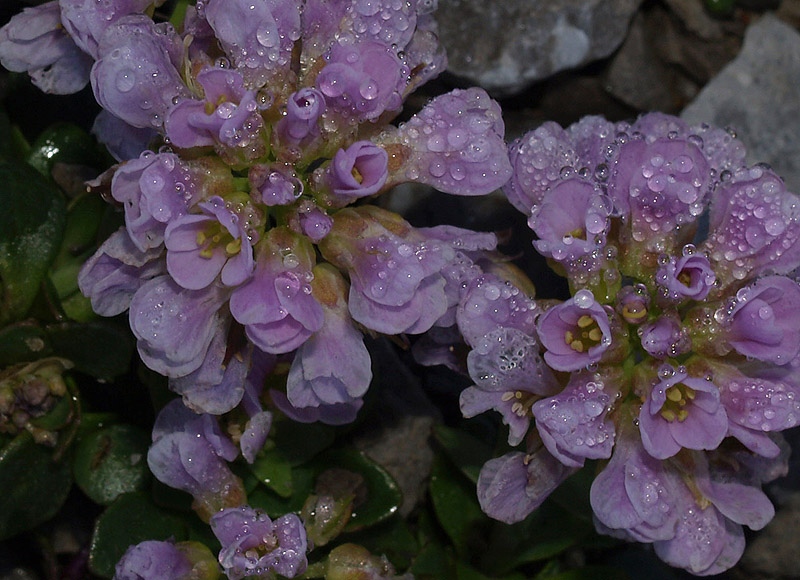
(357,175)
(678,398)
(214,236)
(585,335)
(267,545)
(522,402)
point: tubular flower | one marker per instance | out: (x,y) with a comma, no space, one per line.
(673,344)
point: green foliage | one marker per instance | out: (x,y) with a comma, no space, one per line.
(32,485)
(112,461)
(31,228)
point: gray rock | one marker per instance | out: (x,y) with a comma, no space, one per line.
(758,95)
(696,18)
(505,45)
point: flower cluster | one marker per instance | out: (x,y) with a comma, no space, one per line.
(674,363)
(258,124)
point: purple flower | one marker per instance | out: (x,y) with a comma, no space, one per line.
(311,221)
(227,116)
(333,366)
(633,303)
(681,411)
(757,402)
(575,333)
(257,37)
(154,189)
(136,77)
(275,184)
(189,452)
(358,171)
(665,337)
(34,41)
(454,144)
(276,305)
(202,246)
(488,303)
(87,20)
(688,277)
(753,227)
(122,140)
(571,221)
(175,326)
(635,493)
(303,109)
(510,377)
(153,560)
(363,79)
(573,423)
(512,486)
(253,544)
(395,284)
(115,273)
(764,322)
(333,414)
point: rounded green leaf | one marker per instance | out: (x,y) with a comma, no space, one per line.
(23,342)
(99,348)
(31,228)
(62,143)
(32,486)
(131,519)
(112,461)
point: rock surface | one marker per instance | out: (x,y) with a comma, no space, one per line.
(758,95)
(521,41)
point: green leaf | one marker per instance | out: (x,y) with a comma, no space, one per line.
(32,486)
(272,468)
(62,143)
(99,348)
(393,538)
(467,452)
(383,496)
(31,227)
(433,563)
(112,461)
(23,342)
(131,519)
(456,507)
(300,442)
(275,505)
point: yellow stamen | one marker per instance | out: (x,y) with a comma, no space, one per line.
(634,311)
(507,396)
(201,238)
(568,337)
(595,334)
(357,175)
(576,345)
(233,247)
(206,253)
(668,415)
(682,414)
(585,321)
(674,395)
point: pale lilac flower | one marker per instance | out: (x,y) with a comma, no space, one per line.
(358,171)
(202,246)
(681,412)
(333,366)
(510,377)
(154,189)
(153,560)
(311,221)
(512,486)
(276,305)
(633,302)
(575,333)
(112,276)
(573,424)
(252,544)
(688,277)
(275,184)
(123,141)
(665,337)
(87,20)
(136,74)
(764,322)
(303,109)
(35,42)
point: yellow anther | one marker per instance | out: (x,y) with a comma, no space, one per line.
(233,247)
(595,334)
(201,238)
(668,415)
(568,337)
(674,394)
(634,312)
(685,279)
(507,396)
(206,253)
(518,409)
(518,394)
(576,345)
(682,414)
(357,175)
(690,394)
(585,321)
(216,238)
